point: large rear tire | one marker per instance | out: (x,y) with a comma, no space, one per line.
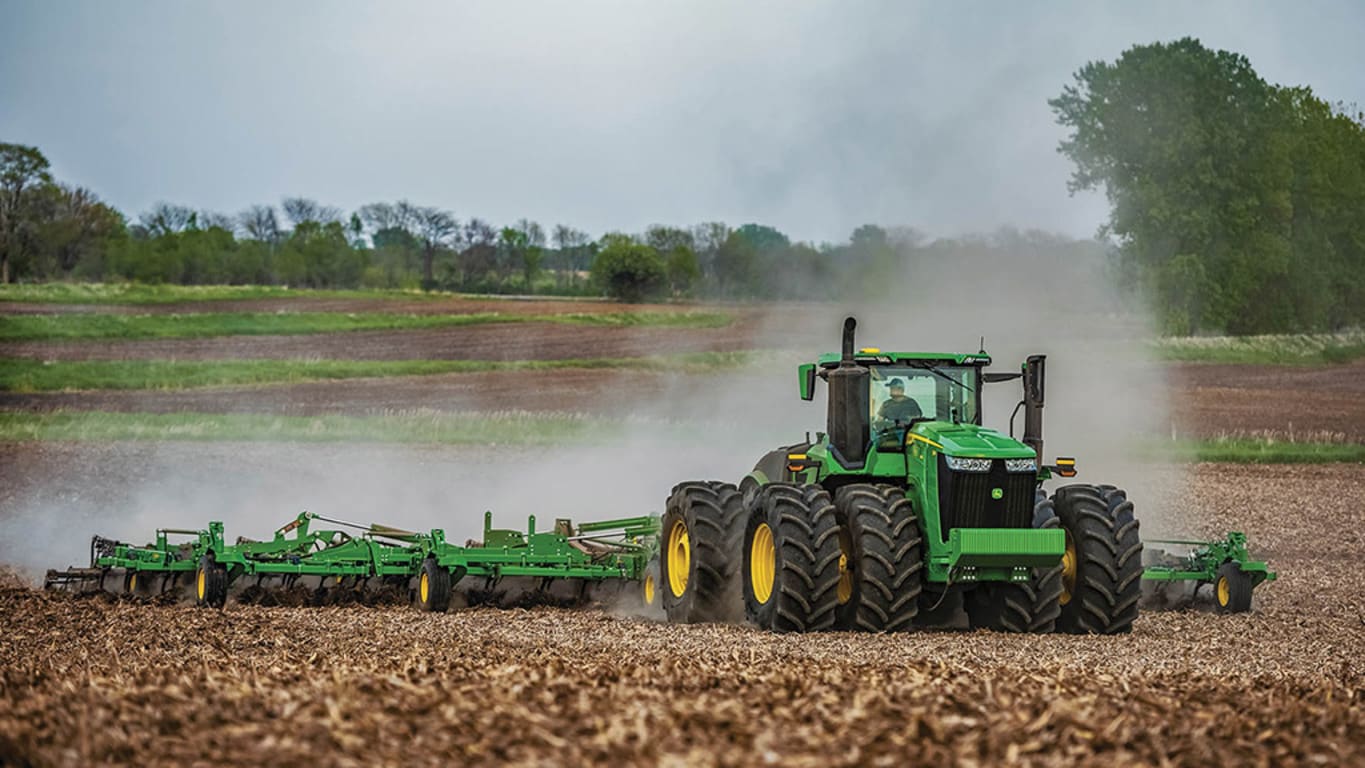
(1021,607)
(699,553)
(791,559)
(881,548)
(1102,568)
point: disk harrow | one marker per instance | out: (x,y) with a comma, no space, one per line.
(309,561)
(1225,564)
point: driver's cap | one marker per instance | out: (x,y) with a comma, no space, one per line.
(896,383)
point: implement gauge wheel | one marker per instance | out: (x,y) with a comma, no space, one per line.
(131,582)
(649,585)
(210,583)
(1232,589)
(433,587)
(699,553)
(791,559)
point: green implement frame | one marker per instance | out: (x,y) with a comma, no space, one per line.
(1224,563)
(596,551)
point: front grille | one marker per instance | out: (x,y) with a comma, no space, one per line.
(964,498)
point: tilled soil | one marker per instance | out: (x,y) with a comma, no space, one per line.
(87,680)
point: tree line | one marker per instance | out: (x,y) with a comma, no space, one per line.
(55,231)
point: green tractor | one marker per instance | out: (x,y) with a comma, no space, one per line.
(905,508)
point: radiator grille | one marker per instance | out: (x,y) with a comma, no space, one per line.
(965,498)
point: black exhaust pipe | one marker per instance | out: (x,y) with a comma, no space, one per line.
(849,412)
(1033,403)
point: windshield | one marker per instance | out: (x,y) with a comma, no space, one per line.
(941,392)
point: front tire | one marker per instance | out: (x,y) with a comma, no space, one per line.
(1102,568)
(1021,607)
(791,559)
(880,585)
(699,553)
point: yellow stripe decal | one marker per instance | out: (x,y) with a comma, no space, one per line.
(795,456)
(924,439)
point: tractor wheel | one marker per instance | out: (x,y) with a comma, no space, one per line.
(880,561)
(1102,568)
(210,583)
(433,587)
(699,553)
(131,582)
(791,559)
(649,585)
(1021,607)
(1232,589)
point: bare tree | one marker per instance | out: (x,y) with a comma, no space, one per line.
(168,219)
(479,232)
(301,209)
(260,223)
(211,219)
(535,236)
(435,228)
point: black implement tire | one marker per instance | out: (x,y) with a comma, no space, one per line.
(1021,607)
(800,559)
(699,553)
(210,583)
(131,582)
(650,584)
(1232,589)
(1102,586)
(880,539)
(433,587)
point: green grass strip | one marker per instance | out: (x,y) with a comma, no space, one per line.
(104,327)
(1290,349)
(137,294)
(29,376)
(408,427)
(1253,451)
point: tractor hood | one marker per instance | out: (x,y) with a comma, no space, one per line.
(969,441)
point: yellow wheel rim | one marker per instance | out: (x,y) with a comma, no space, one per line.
(199,586)
(424,587)
(1068,570)
(762,563)
(679,558)
(649,588)
(132,582)
(845,588)
(1224,591)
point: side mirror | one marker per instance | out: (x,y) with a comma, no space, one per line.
(806,376)
(1033,379)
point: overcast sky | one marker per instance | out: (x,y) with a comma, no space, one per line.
(812,117)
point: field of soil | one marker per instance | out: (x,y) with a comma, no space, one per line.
(86,680)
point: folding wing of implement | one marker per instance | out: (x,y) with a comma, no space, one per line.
(351,560)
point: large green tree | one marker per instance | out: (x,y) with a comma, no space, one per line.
(21,169)
(1210,182)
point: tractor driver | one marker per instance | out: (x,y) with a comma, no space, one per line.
(899,408)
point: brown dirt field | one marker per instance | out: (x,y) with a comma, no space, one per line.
(1207,400)
(1284,399)
(86,681)
(441,306)
(493,341)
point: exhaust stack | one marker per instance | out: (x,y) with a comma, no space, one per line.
(849,411)
(1033,403)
